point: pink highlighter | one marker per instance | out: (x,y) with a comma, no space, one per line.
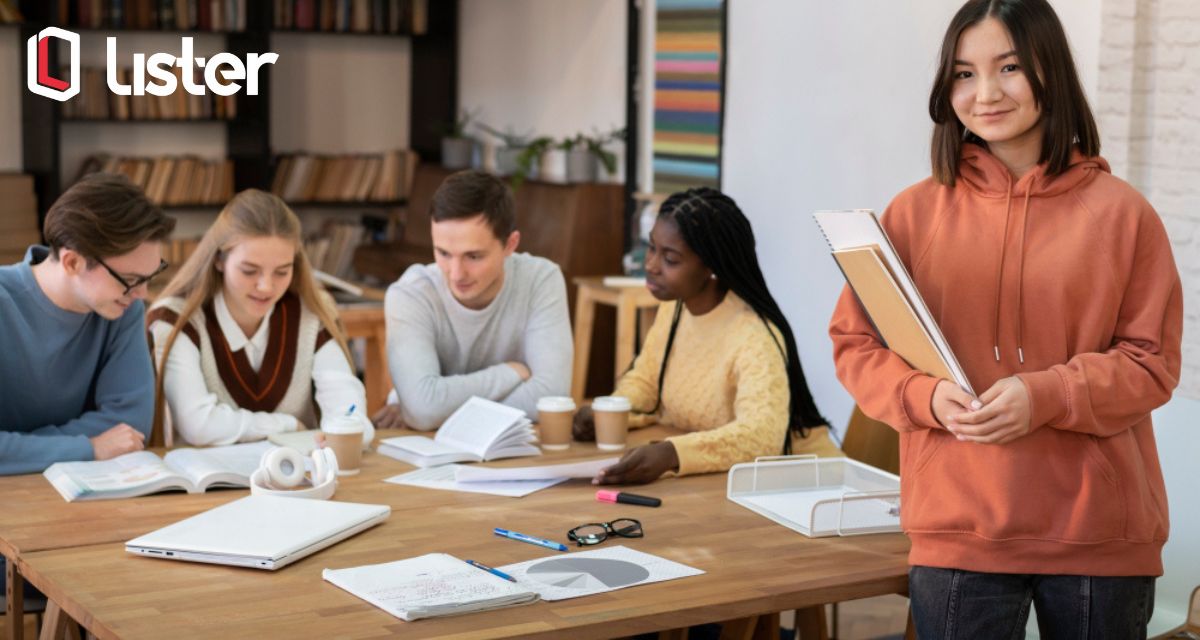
(605,495)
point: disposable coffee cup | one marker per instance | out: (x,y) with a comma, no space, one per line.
(612,422)
(555,417)
(344,434)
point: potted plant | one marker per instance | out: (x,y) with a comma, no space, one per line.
(508,156)
(531,156)
(585,154)
(458,149)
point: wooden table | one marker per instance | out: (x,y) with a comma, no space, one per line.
(753,565)
(591,291)
(368,322)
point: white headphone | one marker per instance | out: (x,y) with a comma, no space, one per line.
(281,473)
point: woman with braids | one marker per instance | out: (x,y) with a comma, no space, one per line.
(720,360)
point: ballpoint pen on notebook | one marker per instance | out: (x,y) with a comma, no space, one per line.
(513,535)
(495,572)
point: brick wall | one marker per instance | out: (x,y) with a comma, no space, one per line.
(1149,118)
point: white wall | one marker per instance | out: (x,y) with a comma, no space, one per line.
(547,66)
(10,100)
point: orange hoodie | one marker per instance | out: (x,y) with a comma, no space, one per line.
(1067,282)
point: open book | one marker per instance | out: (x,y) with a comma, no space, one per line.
(434,584)
(888,294)
(142,472)
(479,430)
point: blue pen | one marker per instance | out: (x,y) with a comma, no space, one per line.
(495,572)
(513,535)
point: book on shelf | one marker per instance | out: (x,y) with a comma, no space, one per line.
(384,177)
(142,472)
(167,180)
(97,102)
(9,13)
(18,217)
(478,431)
(332,249)
(182,15)
(353,16)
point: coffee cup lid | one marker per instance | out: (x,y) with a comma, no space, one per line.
(342,425)
(611,403)
(556,403)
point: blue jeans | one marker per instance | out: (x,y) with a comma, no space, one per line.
(949,604)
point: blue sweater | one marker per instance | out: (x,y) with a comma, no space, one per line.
(65,377)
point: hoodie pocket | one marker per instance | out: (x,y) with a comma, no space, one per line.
(1049,485)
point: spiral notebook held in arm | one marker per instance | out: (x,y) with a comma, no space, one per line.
(142,472)
(887,293)
(479,430)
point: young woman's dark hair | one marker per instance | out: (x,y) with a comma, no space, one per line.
(1046,61)
(719,233)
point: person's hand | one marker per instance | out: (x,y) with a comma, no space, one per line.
(583,429)
(521,370)
(950,400)
(644,464)
(118,440)
(388,417)
(1004,417)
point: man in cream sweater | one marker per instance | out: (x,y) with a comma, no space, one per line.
(482,320)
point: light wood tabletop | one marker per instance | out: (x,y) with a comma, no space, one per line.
(753,566)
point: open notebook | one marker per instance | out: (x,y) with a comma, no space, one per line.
(479,430)
(142,472)
(435,584)
(887,293)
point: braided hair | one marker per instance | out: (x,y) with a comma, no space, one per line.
(720,235)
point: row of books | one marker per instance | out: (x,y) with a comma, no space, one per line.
(185,15)
(18,217)
(96,102)
(171,180)
(332,250)
(382,177)
(356,16)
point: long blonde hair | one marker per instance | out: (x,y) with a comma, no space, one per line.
(250,214)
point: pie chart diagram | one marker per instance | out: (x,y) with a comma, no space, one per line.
(587,573)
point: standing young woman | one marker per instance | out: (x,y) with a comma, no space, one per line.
(251,339)
(720,360)
(1054,283)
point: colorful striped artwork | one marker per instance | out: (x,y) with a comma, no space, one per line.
(688,76)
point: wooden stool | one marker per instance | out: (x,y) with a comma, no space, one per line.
(367,322)
(629,300)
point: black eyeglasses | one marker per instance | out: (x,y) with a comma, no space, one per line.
(137,282)
(597,532)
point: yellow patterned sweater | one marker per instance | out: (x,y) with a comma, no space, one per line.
(725,382)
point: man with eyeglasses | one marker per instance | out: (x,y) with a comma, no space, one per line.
(76,381)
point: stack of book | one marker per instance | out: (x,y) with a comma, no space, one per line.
(18,217)
(353,16)
(97,102)
(332,250)
(182,15)
(305,178)
(171,180)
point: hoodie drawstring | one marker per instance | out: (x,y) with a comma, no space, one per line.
(1000,272)
(1021,279)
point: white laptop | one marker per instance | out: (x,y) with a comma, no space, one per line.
(262,532)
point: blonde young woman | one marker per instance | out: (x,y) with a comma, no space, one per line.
(251,340)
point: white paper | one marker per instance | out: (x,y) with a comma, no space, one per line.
(587,469)
(442,477)
(586,573)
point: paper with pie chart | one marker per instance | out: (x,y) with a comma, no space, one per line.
(589,572)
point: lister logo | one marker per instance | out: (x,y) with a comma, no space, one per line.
(37,72)
(220,71)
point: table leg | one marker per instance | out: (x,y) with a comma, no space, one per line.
(626,334)
(14,613)
(585,316)
(811,623)
(377,377)
(56,624)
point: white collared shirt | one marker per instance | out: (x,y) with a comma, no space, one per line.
(199,417)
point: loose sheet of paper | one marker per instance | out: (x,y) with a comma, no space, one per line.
(443,478)
(585,469)
(587,573)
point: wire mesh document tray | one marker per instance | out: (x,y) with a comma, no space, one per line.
(818,497)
